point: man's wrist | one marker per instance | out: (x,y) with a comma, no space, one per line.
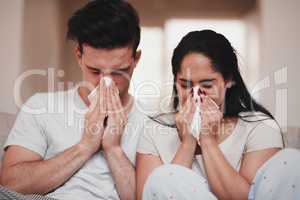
(84,149)
(116,149)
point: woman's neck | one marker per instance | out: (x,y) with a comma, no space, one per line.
(227,126)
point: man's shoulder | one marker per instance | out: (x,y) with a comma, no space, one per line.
(138,111)
(42,102)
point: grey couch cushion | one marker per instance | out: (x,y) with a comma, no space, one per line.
(292,137)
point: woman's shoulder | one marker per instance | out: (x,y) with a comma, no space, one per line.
(261,132)
(159,138)
(161,125)
(254,118)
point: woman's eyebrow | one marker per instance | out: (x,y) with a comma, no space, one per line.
(184,80)
(202,81)
(206,80)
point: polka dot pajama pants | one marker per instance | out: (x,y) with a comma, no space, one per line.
(277,179)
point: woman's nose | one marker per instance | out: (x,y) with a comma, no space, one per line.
(196,90)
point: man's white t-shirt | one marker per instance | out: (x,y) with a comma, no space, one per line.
(49,123)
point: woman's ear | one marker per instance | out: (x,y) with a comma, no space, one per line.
(229,84)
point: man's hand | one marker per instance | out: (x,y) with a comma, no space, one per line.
(116,121)
(94,122)
(121,168)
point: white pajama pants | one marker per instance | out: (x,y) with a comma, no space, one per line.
(277,179)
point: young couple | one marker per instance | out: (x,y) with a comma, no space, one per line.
(109,149)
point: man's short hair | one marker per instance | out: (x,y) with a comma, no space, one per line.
(106,24)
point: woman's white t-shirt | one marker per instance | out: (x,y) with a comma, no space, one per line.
(252,133)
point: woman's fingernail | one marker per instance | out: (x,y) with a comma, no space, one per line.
(204,92)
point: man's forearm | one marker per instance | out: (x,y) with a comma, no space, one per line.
(41,177)
(122,171)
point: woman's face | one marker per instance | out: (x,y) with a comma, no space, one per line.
(197,69)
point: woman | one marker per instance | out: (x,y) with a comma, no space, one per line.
(237,134)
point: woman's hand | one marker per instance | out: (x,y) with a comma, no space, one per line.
(211,118)
(186,151)
(184,118)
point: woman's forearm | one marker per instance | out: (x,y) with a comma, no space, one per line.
(185,154)
(224,180)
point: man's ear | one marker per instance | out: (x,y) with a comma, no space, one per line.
(78,55)
(137,57)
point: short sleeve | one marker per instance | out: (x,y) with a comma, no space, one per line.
(28,131)
(266,134)
(146,143)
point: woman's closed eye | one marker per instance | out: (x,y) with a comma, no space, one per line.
(207,84)
(186,84)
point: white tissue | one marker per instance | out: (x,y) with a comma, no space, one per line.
(196,121)
(107,81)
(93,95)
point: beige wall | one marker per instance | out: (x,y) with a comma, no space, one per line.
(280,47)
(156,12)
(32,37)
(251,66)
(42,43)
(11,15)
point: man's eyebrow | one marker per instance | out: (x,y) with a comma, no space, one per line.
(125,67)
(92,68)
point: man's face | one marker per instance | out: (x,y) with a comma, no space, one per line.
(117,63)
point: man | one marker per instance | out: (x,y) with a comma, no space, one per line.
(83,155)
